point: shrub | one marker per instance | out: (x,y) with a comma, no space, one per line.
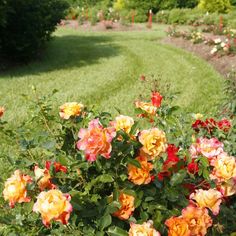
(117,174)
(163,16)
(28,25)
(221,6)
(177,16)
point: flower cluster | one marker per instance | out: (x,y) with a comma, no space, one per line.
(193,221)
(161,179)
(226,47)
(52,204)
(211,125)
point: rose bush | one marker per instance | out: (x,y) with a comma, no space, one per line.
(85,173)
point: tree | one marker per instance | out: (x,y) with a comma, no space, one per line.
(221,6)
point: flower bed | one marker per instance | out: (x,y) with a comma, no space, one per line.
(221,47)
(153,175)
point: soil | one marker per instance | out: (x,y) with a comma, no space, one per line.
(101,26)
(223,64)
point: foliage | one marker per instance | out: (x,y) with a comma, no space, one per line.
(96,185)
(221,6)
(195,17)
(37,19)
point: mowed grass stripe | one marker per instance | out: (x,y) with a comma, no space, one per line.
(103,69)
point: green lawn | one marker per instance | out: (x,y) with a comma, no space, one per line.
(103,68)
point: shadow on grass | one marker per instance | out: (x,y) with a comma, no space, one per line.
(67,52)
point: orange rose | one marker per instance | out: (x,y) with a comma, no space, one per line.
(127,206)
(140,175)
(198,220)
(2,110)
(70,109)
(153,141)
(15,188)
(43,177)
(53,205)
(124,123)
(208,198)
(146,229)
(177,227)
(147,107)
(96,140)
(224,167)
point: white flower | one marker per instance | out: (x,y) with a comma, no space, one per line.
(222,44)
(217,41)
(214,50)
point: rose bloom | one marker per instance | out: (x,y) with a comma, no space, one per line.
(70,109)
(211,199)
(141,175)
(198,220)
(96,140)
(124,123)
(53,205)
(153,141)
(145,229)
(228,188)
(224,167)
(15,188)
(198,116)
(156,99)
(209,148)
(193,167)
(177,227)
(44,178)
(147,107)
(224,125)
(127,207)
(2,110)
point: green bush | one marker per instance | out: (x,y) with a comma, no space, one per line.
(163,16)
(177,16)
(221,6)
(28,25)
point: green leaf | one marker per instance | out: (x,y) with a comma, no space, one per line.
(116,231)
(133,162)
(106,178)
(178,178)
(105,221)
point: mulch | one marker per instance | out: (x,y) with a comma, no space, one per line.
(100,26)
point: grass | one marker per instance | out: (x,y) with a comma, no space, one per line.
(103,69)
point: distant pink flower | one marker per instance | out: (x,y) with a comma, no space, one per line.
(96,140)
(209,148)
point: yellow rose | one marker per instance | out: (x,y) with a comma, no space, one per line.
(15,188)
(153,141)
(127,206)
(224,167)
(140,175)
(70,109)
(198,220)
(198,116)
(43,177)
(146,229)
(228,188)
(53,205)
(147,107)
(124,123)
(208,198)
(177,227)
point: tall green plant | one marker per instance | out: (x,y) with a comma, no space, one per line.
(222,6)
(28,25)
